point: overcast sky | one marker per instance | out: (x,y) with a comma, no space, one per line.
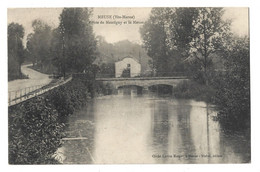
(113,32)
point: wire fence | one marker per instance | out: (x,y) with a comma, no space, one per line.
(17,96)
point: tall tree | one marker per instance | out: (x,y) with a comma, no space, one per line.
(181,27)
(57,52)
(166,36)
(39,43)
(78,43)
(154,35)
(15,50)
(209,32)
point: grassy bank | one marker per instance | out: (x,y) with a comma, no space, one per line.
(36,126)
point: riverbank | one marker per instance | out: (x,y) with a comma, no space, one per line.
(36,126)
(193,90)
(230,95)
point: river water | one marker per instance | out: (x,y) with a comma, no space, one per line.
(130,128)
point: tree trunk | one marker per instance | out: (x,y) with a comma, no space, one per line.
(206,75)
(20,71)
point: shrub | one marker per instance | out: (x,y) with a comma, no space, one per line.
(67,98)
(233,95)
(104,89)
(34,132)
(192,90)
(36,125)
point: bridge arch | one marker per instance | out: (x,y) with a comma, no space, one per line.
(161,88)
(160,85)
(129,85)
(144,84)
(126,84)
(129,89)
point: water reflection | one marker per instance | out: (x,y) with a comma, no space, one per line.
(130,90)
(150,129)
(160,127)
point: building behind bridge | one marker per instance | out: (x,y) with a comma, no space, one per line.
(127,67)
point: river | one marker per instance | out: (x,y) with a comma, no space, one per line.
(130,128)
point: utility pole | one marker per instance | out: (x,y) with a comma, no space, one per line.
(139,57)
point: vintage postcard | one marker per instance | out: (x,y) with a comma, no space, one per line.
(168,85)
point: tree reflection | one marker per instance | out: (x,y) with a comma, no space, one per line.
(160,130)
(187,148)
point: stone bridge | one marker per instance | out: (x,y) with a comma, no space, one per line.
(144,82)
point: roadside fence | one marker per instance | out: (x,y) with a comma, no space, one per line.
(17,96)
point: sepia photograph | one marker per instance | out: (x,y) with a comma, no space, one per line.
(128,85)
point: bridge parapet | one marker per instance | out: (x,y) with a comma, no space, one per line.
(141,78)
(142,82)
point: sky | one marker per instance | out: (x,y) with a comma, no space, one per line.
(114,32)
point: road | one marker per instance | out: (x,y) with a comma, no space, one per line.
(35,78)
